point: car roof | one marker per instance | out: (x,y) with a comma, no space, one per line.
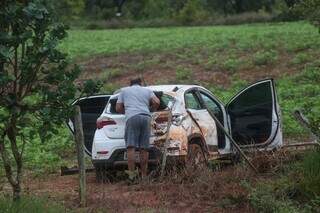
(171,88)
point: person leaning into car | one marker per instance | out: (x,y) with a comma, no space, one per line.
(135,102)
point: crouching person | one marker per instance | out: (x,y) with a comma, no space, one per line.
(135,102)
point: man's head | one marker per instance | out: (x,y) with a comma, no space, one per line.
(136,81)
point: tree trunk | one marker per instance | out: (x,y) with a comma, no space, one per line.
(13,178)
(14,182)
(79,138)
(16,192)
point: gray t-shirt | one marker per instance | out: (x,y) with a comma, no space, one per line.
(136,100)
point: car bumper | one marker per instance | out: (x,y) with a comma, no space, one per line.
(117,159)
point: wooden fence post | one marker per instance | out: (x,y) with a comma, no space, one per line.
(79,139)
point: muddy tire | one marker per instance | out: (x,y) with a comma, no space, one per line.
(195,158)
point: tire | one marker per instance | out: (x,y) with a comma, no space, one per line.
(103,174)
(99,173)
(195,158)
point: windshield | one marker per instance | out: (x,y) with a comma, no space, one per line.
(165,101)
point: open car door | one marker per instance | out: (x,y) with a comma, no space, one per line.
(254,116)
(91,108)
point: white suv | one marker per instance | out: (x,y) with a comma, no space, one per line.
(252,117)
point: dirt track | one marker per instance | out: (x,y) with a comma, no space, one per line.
(219,191)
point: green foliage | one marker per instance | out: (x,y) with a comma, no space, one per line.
(192,12)
(265,57)
(36,81)
(309,9)
(290,36)
(265,199)
(183,74)
(110,88)
(232,64)
(29,205)
(310,170)
(212,62)
(310,79)
(301,58)
(31,38)
(295,188)
(68,10)
(156,9)
(43,158)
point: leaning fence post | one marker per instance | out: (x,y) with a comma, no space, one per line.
(304,122)
(79,139)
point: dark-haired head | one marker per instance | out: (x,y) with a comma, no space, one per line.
(136,81)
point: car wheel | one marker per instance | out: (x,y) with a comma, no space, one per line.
(195,157)
(99,173)
(103,174)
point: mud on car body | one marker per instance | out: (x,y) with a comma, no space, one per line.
(252,117)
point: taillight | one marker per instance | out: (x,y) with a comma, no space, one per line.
(105,122)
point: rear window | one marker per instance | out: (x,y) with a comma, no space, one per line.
(164,102)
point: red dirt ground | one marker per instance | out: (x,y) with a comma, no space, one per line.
(219,191)
(158,68)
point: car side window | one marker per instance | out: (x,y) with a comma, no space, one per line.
(191,101)
(211,104)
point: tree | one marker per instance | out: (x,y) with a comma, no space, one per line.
(310,10)
(68,9)
(291,3)
(36,81)
(192,12)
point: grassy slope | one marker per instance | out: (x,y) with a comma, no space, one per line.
(289,36)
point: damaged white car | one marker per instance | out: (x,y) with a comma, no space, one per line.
(252,117)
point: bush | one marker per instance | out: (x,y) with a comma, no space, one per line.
(310,170)
(183,74)
(244,18)
(301,58)
(48,157)
(192,13)
(212,62)
(29,205)
(232,64)
(264,199)
(110,88)
(265,57)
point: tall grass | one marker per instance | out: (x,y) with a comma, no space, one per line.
(310,181)
(29,205)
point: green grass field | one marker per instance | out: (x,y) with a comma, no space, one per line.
(287,36)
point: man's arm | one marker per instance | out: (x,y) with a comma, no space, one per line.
(120,104)
(155,103)
(120,108)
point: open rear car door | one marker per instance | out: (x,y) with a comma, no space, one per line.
(91,108)
(254,116)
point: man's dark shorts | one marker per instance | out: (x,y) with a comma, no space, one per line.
(137,132)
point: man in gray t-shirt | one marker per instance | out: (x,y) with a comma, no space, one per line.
(135,102)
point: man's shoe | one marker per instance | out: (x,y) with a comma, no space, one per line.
(133,176)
